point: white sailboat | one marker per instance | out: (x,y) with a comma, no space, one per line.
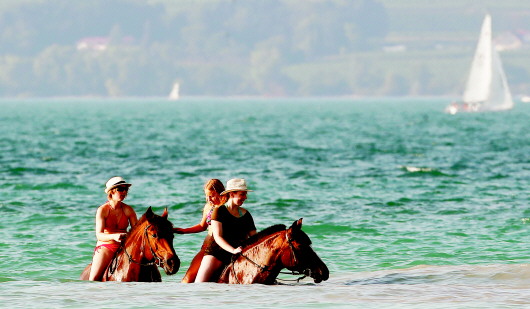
(486,87)
(175,92)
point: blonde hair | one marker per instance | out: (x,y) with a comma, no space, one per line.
(111,192)
(215,186)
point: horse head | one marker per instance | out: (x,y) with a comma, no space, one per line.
(301,257)
(158,238)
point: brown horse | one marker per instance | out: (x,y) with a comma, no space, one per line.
(264,256)
(148,244)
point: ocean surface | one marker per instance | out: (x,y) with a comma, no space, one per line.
(408,207)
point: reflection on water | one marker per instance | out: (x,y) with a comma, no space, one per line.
(498,286)
(465,274)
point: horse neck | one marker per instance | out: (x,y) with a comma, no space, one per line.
(135,244)
(123,263)
(265,253)
(261,245)
(282,246)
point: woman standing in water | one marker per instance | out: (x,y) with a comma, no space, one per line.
(231,224)
(212,191)
(112,220)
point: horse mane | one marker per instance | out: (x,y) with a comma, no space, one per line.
(263,234)
(134,229)
(162,224)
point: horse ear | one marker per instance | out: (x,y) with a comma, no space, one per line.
(149,213)
(164,215)
(297,225)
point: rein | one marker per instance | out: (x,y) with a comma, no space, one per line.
(264,268)
(158,261)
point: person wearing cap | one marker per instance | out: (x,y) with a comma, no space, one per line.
(212,191)
(231,224)
(112,220)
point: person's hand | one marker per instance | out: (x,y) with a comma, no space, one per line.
(237,250)
(120,237)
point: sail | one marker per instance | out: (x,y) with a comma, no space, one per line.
(487,88)
(480,75)
(175,92)
(500,97)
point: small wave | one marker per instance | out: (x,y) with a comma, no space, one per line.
(400,202)
(286,202)
(413,170)
(19,171)
(303,174)
(404,241)
(449,212)
(513,274)
(5,279)
(48,186)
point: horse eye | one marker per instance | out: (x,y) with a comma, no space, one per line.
(154,235)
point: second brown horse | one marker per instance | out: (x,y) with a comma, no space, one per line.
(273,249)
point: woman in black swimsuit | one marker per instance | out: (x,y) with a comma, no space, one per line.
(231,224)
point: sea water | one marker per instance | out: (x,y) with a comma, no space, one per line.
(407,206)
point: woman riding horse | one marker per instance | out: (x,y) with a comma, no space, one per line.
(112,220)
(212,191)
(149,244)
(230,226)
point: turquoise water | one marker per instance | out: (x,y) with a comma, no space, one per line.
(407,206)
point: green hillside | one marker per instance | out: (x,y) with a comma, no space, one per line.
(269,48)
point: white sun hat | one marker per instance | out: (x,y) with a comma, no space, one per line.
(236,184)
(114,182)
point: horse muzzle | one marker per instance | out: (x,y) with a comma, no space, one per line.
(318,274)
(171,265)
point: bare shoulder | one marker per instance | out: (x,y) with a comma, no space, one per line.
(206,209)
(101,209)
(128,209)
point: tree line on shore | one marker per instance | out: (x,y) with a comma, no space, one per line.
(218,47)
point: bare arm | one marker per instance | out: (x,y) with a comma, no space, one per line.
(197,228)
(131,215)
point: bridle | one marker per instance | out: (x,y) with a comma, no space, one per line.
(157,260)
(266,268)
